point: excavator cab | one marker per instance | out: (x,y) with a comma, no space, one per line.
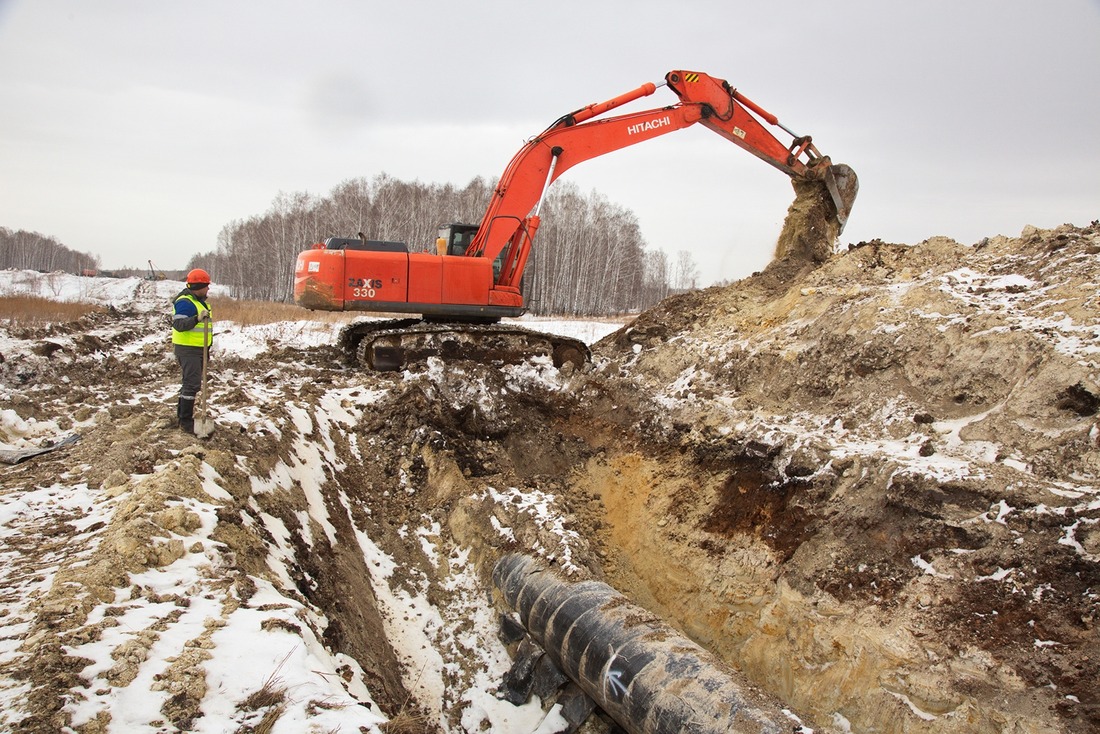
(457,237)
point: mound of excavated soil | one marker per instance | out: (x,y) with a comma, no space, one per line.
(877,488)
(872,487)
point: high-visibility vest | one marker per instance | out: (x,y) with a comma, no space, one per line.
(202,334)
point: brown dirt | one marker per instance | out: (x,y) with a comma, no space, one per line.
(871,485)
(810,228)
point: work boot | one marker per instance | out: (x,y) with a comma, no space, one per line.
(185,414)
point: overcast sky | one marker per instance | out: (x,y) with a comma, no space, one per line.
(138,129)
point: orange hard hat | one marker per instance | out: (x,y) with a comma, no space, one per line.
(198,276)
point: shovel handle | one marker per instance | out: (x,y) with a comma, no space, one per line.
(205,358)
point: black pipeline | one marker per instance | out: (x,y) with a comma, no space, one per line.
(645,675)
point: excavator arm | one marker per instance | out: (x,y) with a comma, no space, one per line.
(512,217)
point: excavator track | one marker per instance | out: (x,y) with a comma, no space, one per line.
(389,346)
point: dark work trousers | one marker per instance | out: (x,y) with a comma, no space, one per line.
(190,359)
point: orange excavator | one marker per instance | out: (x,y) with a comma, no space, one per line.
(474,278)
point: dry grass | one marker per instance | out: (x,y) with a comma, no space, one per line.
(272,693)
(405,722)
(270,696)
(253,313)
(267,723)
(33,311)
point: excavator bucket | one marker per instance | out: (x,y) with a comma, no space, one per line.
(843,186)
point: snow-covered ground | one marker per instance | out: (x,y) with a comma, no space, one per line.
(144,639)
(871,485)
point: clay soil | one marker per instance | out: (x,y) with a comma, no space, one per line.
(870,484)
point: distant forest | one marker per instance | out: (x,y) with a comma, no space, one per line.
(23,250)
(589,257)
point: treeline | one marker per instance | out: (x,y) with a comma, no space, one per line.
(23,250)
(589,257)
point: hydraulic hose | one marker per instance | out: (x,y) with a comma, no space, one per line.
(645,675)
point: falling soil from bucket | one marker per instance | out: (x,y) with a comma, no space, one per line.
(811,227)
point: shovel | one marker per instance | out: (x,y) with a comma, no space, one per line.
(204,424)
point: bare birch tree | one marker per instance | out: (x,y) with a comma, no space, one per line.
(687,273)
(589,257)
(23,250)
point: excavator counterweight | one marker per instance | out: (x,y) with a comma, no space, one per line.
(474,273)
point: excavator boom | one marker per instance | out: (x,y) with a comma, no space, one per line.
(578,137)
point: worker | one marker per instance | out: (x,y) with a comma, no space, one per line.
(192,332)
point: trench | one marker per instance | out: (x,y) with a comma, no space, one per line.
(718,545)
(721,545)
(386,501)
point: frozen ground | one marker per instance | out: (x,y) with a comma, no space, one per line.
(871,486)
